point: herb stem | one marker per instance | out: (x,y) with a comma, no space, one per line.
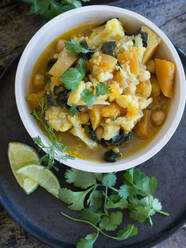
(87,222)
(114,189)
(163,213)
(105,202)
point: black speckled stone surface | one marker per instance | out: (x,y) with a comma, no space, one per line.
(167,166)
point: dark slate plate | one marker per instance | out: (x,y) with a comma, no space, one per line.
(39,213)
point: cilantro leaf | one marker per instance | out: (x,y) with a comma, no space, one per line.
(72,77)
(102,89)
(73,110)
(124,191)
(111,222)
(52,8)
(95,199)
(80,179)
(89,97)
(75,3)
(88,241)
(141,184)
(128,175)
(76,48)
(127,232)
(141,210)
(109,180)
(122,204)
(91,216)
(74,199)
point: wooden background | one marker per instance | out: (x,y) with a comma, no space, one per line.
(16,28)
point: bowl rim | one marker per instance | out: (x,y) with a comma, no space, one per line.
(79,164)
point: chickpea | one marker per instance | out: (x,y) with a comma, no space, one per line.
(151,66)
(99,132)
(144,75)
(84,117)
(39,81)
(158,117)
(60,45)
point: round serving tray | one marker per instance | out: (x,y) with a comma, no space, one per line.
(39,213)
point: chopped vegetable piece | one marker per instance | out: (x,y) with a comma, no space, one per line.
(130,58)
(64,62)
(77,48)
(108,48)
(153,43)
(95,115)
(112,111)
(34,98)
(165,72)
(51,62)
(143,129)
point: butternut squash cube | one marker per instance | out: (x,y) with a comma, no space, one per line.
(143,129)
(111,111)
(165,72)
(153,43)
(64,62)
(95,115)
(130,57)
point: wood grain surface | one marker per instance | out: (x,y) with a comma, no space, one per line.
(16,29)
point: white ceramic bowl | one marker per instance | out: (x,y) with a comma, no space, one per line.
(98,14)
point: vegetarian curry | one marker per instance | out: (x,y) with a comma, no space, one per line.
(107,94)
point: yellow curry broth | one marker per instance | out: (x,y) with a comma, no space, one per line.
(75,146)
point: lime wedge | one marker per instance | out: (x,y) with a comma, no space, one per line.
(20,155)
(44,177)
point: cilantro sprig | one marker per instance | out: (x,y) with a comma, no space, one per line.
(77,48)
(73,76)
(52,151)
(89,97)
(52,8)
(135,195)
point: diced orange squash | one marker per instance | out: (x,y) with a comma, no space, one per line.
(108,62)
(155,87)
(118,77)
(130,57)
(64,62)
(95,115)
(34,98)
(111,111)
(143,129)
(115,91)
(55,81)
(153,43)
(165,72)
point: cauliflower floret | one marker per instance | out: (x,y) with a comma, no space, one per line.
(110,131)
(78,131)
(130,103)
(102,66)
(57,118)
(75,96)
(144,103)
(144,88)
(126,124)
(113,30)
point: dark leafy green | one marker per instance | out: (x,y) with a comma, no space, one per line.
(108,48)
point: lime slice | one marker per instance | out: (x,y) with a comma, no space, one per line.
(44,177)
(20,155)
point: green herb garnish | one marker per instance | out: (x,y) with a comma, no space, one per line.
(52,8)
(136,194)
(74,75)
(73,110)
(89,97)
(76,48)
(52,151)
